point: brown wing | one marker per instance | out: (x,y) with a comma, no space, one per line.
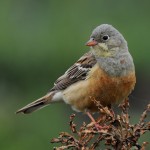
(75,73)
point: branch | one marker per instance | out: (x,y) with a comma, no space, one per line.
(117,132)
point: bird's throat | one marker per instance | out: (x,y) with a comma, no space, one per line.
(101,50)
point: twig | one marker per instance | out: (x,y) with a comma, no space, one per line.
(120,134)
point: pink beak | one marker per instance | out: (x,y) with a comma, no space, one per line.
(91,42)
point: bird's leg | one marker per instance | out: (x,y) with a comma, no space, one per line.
(112,114)
(98,127)
(90,116)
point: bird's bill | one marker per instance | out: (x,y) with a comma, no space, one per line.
(91,42)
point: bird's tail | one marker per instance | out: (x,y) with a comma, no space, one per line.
(35,105)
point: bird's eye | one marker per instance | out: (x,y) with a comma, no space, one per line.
(105,37)
(93,38)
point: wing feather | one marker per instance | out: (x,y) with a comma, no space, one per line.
(76,72)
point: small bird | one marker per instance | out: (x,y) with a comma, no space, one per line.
(106,73)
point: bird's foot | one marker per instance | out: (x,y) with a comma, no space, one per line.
(96,124)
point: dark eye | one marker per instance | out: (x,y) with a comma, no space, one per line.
(105,37)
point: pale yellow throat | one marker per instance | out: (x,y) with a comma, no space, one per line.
(101,49)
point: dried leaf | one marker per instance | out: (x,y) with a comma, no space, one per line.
(115,130)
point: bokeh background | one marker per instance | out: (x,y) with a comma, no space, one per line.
(39,40)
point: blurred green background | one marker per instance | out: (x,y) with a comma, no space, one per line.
(39,40)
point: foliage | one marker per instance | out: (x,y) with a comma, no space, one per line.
(114,129)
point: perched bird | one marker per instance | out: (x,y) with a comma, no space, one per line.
(106,73)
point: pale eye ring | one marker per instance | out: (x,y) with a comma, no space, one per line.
(105,37)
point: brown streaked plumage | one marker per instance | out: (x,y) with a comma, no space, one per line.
(75,73)
(96,87)
(106,73)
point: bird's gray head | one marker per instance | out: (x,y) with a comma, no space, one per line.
(105,40)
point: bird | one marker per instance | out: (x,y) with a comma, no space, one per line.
(105,73)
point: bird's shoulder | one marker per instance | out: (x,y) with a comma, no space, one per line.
(78,71)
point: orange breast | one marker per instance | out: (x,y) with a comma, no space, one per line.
(101,87)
